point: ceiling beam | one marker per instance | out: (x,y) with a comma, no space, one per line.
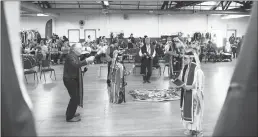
(140,11)
(182,4)
(239,2)
(170,5)
(165,4)
(111,4)
(224,5)
(228,4)
(30,7)
(247,5)
(79,4)
(55,15)
(47,4)
(216,6)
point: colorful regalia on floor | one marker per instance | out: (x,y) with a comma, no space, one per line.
(192,97)
(117,79)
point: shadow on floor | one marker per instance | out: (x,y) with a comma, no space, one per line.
(49,86)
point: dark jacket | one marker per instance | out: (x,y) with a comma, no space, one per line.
(144,50)
(72,66)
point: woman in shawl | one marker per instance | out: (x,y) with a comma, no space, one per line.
(192,97)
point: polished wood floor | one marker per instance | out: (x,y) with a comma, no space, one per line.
(100,118)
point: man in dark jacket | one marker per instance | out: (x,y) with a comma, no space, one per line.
(232,39)
(147,52)
(72,78)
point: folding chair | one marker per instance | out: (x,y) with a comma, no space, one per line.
(28,68)
(137,63)
(45,67)
(156,64)
(39,58)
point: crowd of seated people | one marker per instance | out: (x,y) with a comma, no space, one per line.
(56,48)
(53,48)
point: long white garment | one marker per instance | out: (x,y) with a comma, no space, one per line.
(197,98)
(198,102)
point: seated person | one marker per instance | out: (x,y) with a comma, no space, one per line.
(210,48)
(101,52)
(27,49)
(159,50)
(44,49)
(54,54)
(65,50)
(88,48)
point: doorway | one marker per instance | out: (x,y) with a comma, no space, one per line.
(91,33)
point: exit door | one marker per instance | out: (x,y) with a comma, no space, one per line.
(91,33)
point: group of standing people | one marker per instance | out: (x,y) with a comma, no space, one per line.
(192,97)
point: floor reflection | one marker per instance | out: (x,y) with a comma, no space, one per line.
(132,118)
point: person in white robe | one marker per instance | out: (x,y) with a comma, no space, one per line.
(192,94)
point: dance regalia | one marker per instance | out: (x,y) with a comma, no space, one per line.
(169,51)
(192,101)
(117,79)
(175,62)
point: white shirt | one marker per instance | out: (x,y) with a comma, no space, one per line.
(167,46)
(44,49)
(149,51)
(102,49)
(88,40)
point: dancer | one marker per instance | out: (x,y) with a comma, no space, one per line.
(192,97)
(109,56)
(169,53)
(72,78)
(147,52)
(174,52)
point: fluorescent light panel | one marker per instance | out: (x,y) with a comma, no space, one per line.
(106,3)
(234,16)
(41,15)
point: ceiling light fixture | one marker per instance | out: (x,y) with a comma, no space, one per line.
(106,3)
(233,16)
(41,15)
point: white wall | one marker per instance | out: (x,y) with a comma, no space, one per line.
(139,25)
(35,23)
(216,23)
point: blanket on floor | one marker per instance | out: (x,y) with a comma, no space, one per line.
(155,95)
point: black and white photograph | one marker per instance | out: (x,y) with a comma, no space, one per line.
(129,68)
